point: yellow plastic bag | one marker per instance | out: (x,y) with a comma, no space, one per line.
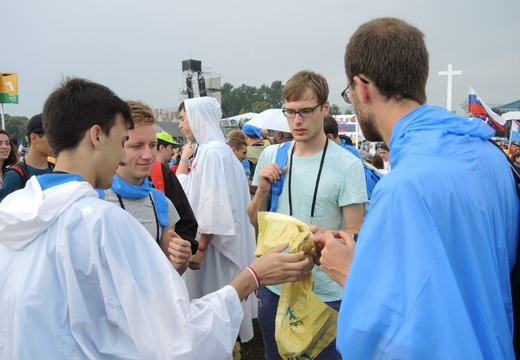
(305,325)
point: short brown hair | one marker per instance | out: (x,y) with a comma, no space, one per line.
(141,113)
(330,126)
(383,146)
(236,143)
(236,134)
(393,55)
(298,84)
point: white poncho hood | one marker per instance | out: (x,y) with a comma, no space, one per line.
(32,211)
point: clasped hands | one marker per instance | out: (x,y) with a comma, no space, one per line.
(334,251)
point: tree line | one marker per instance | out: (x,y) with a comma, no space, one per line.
(16,127)
(246,98)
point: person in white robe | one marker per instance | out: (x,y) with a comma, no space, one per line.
(219,194)
(80,278)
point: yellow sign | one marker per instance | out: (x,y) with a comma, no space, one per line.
(9,88)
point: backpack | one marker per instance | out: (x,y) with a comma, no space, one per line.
(371,178)
(21,169)
(277,186)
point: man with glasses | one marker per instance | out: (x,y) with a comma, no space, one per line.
(324,186)
(430,275)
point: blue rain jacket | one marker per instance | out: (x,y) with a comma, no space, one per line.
(430,275)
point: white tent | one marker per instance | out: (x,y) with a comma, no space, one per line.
(511,115)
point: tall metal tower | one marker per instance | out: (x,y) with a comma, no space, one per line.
(198,81)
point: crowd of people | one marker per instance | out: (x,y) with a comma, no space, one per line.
(108,253)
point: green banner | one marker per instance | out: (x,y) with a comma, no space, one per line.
(6,98)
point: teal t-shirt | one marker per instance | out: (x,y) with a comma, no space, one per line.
(342,182)
(12,180)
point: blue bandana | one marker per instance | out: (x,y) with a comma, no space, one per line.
(129,191)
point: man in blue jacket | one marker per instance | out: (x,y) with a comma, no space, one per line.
(430,275)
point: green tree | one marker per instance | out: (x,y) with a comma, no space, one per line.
(275,95)
(259,106)
(16,126)
(245,98)
(349,111)
(498,111)
(334,110)
(226,93)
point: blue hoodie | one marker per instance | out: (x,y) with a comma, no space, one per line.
(430,276)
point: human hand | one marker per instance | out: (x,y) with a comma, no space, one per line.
(275,267)
(188,150)
(269,174)
(196,260)
(334,253)
(316,230)
(179,250)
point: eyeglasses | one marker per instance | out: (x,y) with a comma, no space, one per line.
(304,113)
(345,93)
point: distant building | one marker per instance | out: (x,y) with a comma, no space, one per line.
(515,105)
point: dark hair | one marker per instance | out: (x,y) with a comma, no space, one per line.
(515,155)
(383,146)
(295,88)
(76,106)
(377,161)
(330,126)
(392,54)
(181,107)
(13,154)
(347,139)
(163,143)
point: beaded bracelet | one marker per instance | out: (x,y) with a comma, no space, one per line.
(202,248)
(185,160)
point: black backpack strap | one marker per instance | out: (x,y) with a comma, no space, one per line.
(21,170)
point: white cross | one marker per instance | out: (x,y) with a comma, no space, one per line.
(450,74)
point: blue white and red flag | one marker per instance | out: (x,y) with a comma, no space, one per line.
(478,107)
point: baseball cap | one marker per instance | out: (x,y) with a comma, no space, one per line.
(35,125)
(164,136)
(251,130)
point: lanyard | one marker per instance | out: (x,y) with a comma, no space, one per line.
(317,180)
(154,212)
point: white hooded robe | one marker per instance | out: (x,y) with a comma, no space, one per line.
(218,192)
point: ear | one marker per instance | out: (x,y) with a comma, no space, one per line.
(34,137)
(96,136)
(362,89)
(329,136)
(326,108)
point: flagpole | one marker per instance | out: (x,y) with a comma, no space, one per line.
(2,112)
(510,138)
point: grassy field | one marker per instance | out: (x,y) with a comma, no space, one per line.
(254,348)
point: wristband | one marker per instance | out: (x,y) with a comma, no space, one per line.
(202,248)
(185,160)
(255,276)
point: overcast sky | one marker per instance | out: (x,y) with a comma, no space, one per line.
(136,47)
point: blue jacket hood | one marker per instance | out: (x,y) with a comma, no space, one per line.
(437,127)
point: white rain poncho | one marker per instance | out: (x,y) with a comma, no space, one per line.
(219,194)
(81,278)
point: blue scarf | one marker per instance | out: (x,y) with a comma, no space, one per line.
(129,191)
